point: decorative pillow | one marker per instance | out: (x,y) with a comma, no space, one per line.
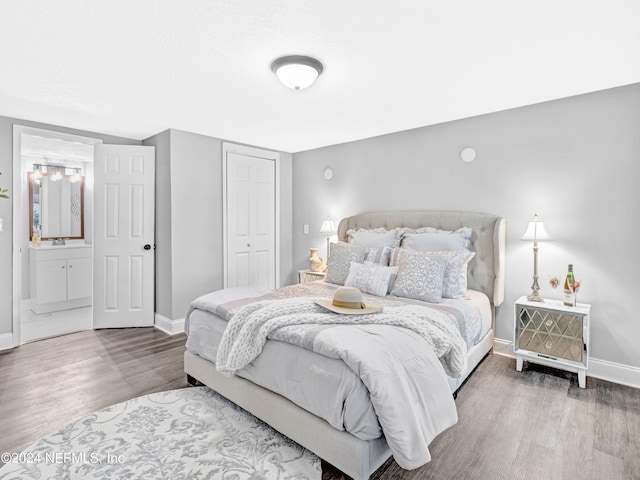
(380,256)
(370,278)
(420,276)
(378,237)
(455,274)
(342,254)
(429,239)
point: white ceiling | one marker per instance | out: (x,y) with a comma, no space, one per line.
(135,68)
(56,150)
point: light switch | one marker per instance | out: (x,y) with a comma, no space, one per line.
(0,224)
(305,229)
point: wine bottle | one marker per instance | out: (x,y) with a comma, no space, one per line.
(569,294)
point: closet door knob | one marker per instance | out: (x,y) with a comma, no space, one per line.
(147,247)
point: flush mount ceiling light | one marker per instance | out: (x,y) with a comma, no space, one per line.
(297,71)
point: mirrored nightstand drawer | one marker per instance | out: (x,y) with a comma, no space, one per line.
(554,333)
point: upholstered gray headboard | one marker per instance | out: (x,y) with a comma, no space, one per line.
(486,269)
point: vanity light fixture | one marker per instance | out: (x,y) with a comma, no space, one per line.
(297,71)
(75,178)
(56,172)
(57,176)
(37,172)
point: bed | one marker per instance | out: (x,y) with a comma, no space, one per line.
(355,447)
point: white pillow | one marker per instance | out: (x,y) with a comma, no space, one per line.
(340,258)
(420,276)
(429,239)
(378,237)
(370,278)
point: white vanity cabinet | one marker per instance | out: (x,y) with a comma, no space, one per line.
(61,277)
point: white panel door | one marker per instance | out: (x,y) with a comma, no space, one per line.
(250,221)
(123,293)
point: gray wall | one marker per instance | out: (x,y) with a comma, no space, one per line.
(6,206)
(163,284)
(574,161)
(188,216)
(189,242)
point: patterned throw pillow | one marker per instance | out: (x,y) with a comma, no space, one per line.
(370,278)
(340,258)
(455,274)
(420,276)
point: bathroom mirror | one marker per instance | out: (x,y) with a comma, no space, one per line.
(56,206)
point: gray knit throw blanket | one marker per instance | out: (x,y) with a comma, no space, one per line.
(247,332)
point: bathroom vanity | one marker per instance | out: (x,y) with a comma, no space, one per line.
(61,277)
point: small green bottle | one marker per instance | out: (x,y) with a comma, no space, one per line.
(569,294)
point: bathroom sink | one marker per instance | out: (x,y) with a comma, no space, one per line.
(48,245)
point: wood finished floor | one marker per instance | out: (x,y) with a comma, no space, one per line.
(537,424)
(45,385)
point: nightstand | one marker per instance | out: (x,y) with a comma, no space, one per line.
(305,276)
(552,334)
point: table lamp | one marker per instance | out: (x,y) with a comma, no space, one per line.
(329,228)
(535,232)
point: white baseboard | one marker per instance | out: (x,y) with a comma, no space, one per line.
(602,369)
(614,372)
(169,326)
(6,341)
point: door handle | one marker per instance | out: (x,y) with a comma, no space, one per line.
(147,247)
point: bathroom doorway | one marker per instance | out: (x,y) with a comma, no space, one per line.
(53,233)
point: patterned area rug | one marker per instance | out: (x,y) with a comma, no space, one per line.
(190,433)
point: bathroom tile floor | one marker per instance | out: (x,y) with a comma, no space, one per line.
(36,327)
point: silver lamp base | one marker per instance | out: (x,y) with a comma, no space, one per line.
(534,297)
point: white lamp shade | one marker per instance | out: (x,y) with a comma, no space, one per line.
(536,232)
(328,226)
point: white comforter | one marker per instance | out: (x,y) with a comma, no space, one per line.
(401,367)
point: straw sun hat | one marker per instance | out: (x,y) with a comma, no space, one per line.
(348,300)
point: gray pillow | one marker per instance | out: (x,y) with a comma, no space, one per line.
(420,276)
(379,255)
(370,278)
(378,237)
(455,274)
(431,239)
(340,258)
